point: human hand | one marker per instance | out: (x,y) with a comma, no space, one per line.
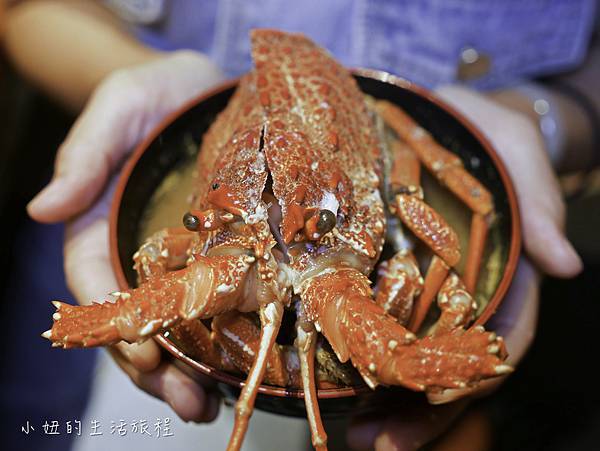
(122,111)
(520,146)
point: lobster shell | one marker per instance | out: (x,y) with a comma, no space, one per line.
(128,204)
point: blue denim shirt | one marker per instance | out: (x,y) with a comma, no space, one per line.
(420,40)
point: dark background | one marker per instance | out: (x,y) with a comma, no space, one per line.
(550,403)
(36,382)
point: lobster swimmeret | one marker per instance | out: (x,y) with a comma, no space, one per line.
(293,188)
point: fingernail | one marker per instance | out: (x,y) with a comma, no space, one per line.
(172,390)
(144,356)
(383,442)
(446,396)
(570,258)
(46,197)
(362,434)
(183,398)
(124,350)
(211,410)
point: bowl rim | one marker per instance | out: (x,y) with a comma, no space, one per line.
(235,381)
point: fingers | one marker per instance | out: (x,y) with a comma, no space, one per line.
(407,430)
(144,357)
(90,276)
(542,207)
(363,431)
(189,400)
(521,147)
(107,128)
(144,365)
(545,241)
(86,254)
(516,318)
(122,110)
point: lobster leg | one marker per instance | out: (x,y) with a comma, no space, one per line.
(436,274)
(383,351)
(405,172)
(207,287)
(197,341)
(306,343)
(428,225)
(456,305)
(399,283)
(449,170)
(238,336)
(431,154)
(270,318)
(458,308)
(400,278)
(432,229)
(165,250)
(477,238)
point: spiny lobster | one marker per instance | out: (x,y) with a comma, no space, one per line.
(295,185)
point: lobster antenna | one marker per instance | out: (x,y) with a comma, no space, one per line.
(270,318)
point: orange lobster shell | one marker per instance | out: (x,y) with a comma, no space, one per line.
(294,189)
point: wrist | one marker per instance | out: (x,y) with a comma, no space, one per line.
(566,127)
(582,126)
(192,69)
(540,106)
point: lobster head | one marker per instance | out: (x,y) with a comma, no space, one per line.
(296,146)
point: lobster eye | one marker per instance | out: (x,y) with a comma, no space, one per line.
(191,222)
(326,221)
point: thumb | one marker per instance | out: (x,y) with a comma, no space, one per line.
(521,148)
(407,429)
(542,207)
(122,110)
(409,432)
(100,138)
(544,237)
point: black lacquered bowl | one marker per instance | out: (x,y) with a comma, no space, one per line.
(169,145)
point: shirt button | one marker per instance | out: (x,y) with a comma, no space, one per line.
(472,64)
